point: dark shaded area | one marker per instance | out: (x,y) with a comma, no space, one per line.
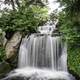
(36,2)
(4,69)
(9,34)
(7,66)
(13,62)
(77,76)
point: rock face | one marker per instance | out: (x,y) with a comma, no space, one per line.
(13,44)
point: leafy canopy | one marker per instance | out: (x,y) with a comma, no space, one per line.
(25,18)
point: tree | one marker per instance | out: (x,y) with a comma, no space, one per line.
(26,2)
(25,19)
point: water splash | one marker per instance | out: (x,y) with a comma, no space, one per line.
(38,74)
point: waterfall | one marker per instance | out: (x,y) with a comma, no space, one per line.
(41,57)
(43,52)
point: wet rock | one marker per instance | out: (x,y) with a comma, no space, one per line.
(13,44)
(4,69)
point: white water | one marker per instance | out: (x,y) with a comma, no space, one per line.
(39,74)
(43,52)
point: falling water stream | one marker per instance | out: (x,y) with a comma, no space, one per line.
(43,51)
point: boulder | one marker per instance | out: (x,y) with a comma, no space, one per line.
(13,45)
(4,69)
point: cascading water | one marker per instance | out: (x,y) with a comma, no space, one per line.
(43,52)
(41,57)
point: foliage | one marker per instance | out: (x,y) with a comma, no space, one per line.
(71,31)
(74,60)
(25,18)
(15,3)
(72,8)
(2,54)
(24,15)
(2,50)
